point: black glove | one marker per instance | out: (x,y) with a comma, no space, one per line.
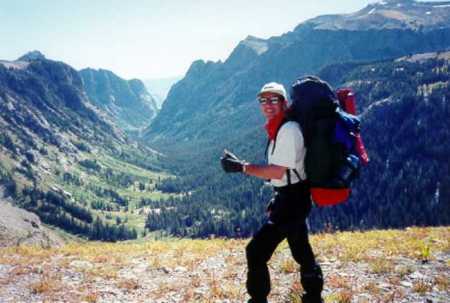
(231,163)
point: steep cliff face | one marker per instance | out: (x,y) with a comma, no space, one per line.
(214,95)
(128,103)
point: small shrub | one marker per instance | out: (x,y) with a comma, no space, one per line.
(45,286)
(421,287)
(345,296)
(425,253)
(404,270)
(442,283)
(295,293)
(372,288)
(381,266)
(288,266)
(91,297)
(129,284)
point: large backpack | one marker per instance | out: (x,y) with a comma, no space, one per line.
(334,147)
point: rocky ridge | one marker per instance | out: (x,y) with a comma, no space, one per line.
(393,14)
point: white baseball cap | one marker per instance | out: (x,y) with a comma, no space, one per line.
(274,87)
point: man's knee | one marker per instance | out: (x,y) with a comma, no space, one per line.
(255,254)
(251,252)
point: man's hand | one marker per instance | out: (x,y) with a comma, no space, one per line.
(231,163)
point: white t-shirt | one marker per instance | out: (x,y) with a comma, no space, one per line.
(289,152)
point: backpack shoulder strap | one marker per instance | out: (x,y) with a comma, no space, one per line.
(297,174)
(267,148)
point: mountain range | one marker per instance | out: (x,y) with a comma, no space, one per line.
(403,104)
(394,54)
(198,106)
(65,153)
(68,149)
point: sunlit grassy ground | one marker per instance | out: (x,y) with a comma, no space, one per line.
(409,265)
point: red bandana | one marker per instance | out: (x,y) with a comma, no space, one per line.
(273,124)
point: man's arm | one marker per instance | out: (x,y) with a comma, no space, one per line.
(270,171)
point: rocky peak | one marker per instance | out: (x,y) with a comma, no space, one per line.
(389,2)
(32,56)
(258,45)
(389,14)
(246,52)
(199,67)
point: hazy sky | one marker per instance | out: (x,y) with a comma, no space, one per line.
(148,39)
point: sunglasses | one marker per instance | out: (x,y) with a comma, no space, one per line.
(271,100)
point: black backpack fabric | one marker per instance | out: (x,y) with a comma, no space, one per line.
(331,162)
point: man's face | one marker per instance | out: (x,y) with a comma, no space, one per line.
(271,104)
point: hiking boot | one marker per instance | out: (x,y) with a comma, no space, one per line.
(312,282)
(312,299)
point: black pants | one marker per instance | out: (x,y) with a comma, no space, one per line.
(290,208)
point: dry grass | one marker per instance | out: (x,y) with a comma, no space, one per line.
(342,296)
(337,281)
(355,246)
(46,285)
(288,265)
(106,272)
(295,292)
(91,297)
(422,287)
(442,283)
(372,288)
(128,284)
(403,270)
(392,297)
(216,290)
(198,282)
(381,266)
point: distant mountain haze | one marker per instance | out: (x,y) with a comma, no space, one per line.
(159,88)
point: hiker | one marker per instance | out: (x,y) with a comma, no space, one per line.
(290,205)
